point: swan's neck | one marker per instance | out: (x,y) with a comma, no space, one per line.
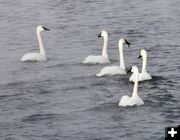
(144,63)
(121,55)
(104,50)
(42,50)
(135,90)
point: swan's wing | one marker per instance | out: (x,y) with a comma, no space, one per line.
(111,70)
(132,78)
(124,101)
(144,76)
(33,57)
(139,101)
(91,59)
(136,100)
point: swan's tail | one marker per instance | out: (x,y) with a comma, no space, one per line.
(84,62)
(99,75)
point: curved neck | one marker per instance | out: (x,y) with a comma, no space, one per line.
(42,50)
(144,63)
(135,90)
(104,50)
(121,55)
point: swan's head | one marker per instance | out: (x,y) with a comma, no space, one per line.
(103,34)
(143,53)
(133,69)
(41,28)
(123,41)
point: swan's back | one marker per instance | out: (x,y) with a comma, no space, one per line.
(99,59)
(31,57)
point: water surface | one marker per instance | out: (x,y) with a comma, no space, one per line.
(62,98)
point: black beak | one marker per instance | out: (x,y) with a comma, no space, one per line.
(99,35)
(127,43)
(129,70)
(46,29)
(140,56)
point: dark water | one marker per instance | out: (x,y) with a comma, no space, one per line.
(62,99)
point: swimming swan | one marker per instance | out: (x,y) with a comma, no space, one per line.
(37,56)
(144,75)
(134,99)
(114,70)
(99,59)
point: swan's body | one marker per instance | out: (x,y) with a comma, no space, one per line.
(134,99)
(116,70)
(111,70)
(144,75)
(33,57)
(131,101)
(99,59)
(37,56)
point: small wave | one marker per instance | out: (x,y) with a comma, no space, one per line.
(41,117)
(103,107)
(76,88)
(155,78)
(56,65)
(12,84)
(38,117)
(11,95)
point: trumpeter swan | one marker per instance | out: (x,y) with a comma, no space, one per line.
(134,99)
(41,56)
(115,70)
(144,75)
(99,59)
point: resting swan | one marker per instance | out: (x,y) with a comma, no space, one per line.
(134,99)
(144,75)
(115,70)
(37,56)
(99,59)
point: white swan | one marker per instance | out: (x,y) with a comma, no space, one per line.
(134,99)
(37,56)
(115,70)
(144,75)
(99,59)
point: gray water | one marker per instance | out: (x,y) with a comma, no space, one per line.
(62,99)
